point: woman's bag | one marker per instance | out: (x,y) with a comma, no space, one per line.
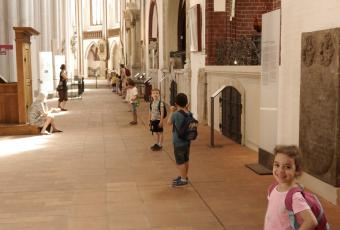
(60,86)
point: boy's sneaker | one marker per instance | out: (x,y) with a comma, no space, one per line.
(152,147)
(157,148)
(180,182)
(178,178)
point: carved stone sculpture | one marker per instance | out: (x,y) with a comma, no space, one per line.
(308,51)
(326,50)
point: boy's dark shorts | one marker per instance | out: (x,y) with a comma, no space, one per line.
(181,154)
(154,126)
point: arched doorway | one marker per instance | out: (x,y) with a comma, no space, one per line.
(181,26)
(116,57)
(173,92)
(153,36)
(93,61)
(230,101)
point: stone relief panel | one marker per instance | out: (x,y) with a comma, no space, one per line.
(326,50)
(319,99)
(308,51)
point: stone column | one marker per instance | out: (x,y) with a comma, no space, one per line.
(63,27)
(104,27)
(133,44)
(67,29)
(31,12)
(4,59)
(80,58)
(56,26)
(36,43)
(49,25)
(105,36)
(23,13)
(44,25)
(12,21)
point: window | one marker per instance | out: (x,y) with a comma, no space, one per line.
(195,16)
(117,12)
(96,12)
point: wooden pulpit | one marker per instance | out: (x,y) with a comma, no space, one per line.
(24,70)
(16,97)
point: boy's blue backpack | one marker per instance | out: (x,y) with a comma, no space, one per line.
(159,108)
(313,202)
(188,129)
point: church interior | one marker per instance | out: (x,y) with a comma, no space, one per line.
(257,74)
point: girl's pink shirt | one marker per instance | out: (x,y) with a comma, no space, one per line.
(277,214)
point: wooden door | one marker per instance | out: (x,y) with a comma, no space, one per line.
(231,114)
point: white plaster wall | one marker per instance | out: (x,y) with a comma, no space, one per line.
(246,79)
(297,17)
(159,4)
(197,60)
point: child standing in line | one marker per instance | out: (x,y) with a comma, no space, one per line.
(156,116)
(114,82)
(286,168)
(181,146)
(133,100)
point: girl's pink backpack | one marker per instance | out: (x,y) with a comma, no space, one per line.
(313,202)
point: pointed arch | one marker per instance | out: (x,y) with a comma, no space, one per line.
(91,66)
(153,42)
(116,57)
(153,20)
(181,26)
(88,49)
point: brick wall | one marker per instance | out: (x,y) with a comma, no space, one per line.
(276,4)
(219,27)
(215,29)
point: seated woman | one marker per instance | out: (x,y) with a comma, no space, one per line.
(40,115)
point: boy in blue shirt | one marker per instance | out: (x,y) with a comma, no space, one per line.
(181,146)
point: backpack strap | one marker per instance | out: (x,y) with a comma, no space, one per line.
(271,188)
(289,197)
(185,115)
(159,107)
(289,205)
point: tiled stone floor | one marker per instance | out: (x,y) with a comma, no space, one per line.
(99,174)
